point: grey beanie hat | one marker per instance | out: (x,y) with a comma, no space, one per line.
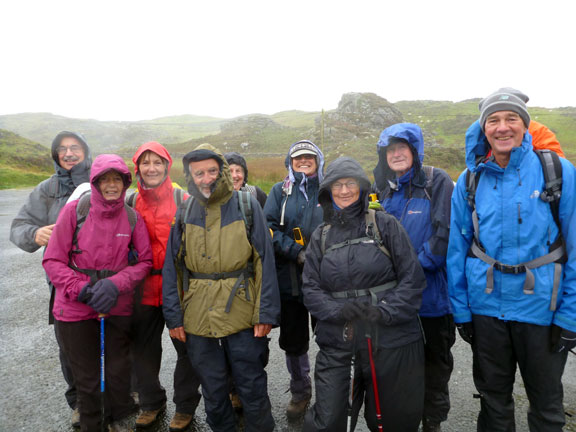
(504,99)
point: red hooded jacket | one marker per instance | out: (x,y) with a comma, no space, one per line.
(157,208)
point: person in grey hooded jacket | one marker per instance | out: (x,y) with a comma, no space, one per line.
(32,227)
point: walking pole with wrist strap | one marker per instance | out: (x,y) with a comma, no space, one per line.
(374,382)
(102,373)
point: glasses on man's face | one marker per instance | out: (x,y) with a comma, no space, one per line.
(211,172)
(352,184)
(76,149)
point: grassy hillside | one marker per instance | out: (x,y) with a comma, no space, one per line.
(264,139)
(110,136)
(22,162)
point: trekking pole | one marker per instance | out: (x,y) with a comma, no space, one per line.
(348,336)
(102,372)
(374,382)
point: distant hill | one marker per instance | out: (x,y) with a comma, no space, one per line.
(110,135)
(352,128)
(22,162)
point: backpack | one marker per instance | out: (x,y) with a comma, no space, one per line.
(82,210)
(242,275)
(372,235)
(552,169)
(178,197)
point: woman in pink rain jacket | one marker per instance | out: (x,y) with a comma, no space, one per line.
(93,278)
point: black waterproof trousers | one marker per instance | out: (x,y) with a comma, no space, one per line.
(499,346)
(400,378)
(81,343)
(244,357)
(440,333)
(147,327)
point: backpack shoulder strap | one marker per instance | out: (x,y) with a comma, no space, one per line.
(245,205)
(131,201)
(251,189)
(373,232)
(552,168)
(325,228)
(82,210)
(132,216)
(178,196)
(429,172)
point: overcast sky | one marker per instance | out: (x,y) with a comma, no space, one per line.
(137,60)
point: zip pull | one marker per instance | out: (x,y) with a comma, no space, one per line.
(519,216)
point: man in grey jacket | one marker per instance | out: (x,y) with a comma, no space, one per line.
(32,227)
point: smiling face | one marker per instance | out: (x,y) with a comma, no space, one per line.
(399,157)
(305,164)
(111,185)
(504,130)
(204,173)
(237,173)
(152,169)
(345,191)
(70,153)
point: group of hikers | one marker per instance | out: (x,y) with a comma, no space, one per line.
(383,274)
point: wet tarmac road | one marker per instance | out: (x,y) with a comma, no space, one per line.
(32,387)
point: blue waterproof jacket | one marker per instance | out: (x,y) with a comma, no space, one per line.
(422,205)
(515,226)
(298,195)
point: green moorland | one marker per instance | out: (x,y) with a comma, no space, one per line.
(23,162)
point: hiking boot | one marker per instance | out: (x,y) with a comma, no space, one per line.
(236,402)
(75,418)
(147,418)
(180,422)
(430,426)
(297,408)
(124,425)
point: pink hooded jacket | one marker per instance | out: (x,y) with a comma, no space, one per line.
(104,240)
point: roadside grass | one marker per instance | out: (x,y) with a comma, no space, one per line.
(13,179)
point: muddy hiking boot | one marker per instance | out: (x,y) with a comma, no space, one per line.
(148,417)
(300,385)
(181,422)
(124,425)
(75,418)
(297,408)
(236,402)
(430,426)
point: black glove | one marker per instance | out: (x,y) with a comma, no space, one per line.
(466,331)
(372,314)
(351,311)
(104,296)
(565,342)
(85,294)
(301,257)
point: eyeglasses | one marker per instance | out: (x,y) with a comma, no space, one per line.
(212,172)
(352,184)
(76,149)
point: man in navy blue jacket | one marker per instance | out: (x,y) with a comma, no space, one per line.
(419,197)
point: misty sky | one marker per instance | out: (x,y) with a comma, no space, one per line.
(137,60)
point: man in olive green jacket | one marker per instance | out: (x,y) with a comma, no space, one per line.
(220,292)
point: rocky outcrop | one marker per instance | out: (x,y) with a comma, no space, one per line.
(358,116)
